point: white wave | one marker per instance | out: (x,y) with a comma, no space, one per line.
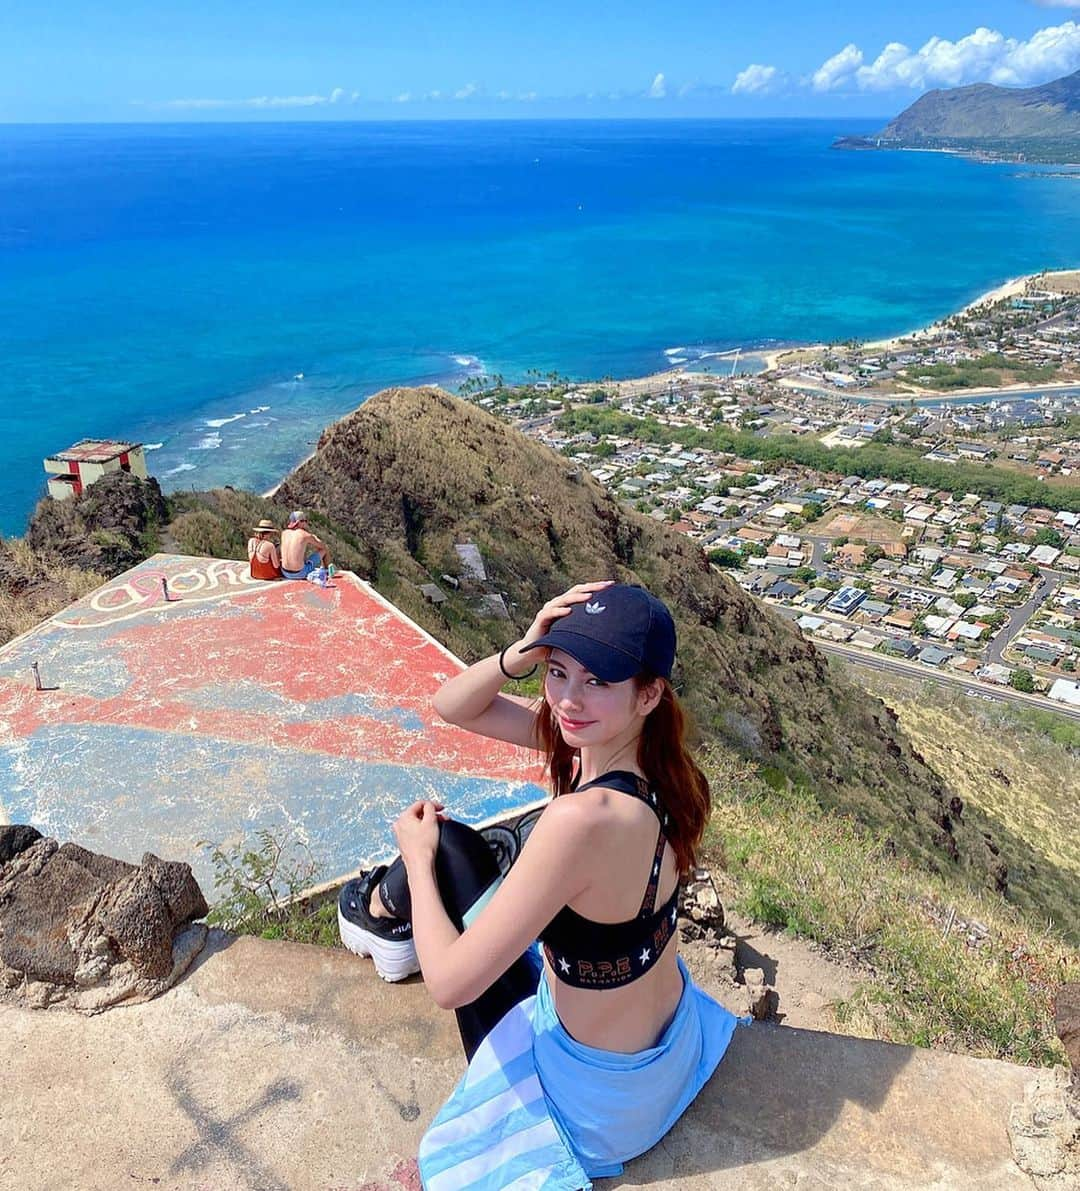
(216,423)
(152,446)
(209,442)
(467,361)
(179,468)
(298,376)
(259,409)
(674,351)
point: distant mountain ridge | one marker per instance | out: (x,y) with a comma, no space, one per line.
(984,111)
(1031,123)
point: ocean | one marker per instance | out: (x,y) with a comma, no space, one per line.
(222,292)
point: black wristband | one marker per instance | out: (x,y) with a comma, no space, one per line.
(506,673)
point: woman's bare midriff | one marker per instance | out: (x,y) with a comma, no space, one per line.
(626,1019)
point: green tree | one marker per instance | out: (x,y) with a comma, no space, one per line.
(1021,680)
(1045,536)
(723,556)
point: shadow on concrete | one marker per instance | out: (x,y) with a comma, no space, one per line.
(778,1092)
(217,942)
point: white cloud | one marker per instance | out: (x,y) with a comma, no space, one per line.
(467,91)
(983,56)
(658,88)
(527,96)
(834,72)
(262,102)
(404,97)
(1058,3)
(755,80)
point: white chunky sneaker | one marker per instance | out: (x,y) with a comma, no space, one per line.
(389,941)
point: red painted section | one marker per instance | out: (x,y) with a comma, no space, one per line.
(78,485)
(288,664)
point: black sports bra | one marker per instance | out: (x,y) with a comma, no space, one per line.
(587,954)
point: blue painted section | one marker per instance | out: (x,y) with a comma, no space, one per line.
(86,662)
(221,794)
(248,697)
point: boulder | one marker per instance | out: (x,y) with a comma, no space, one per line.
(89,930)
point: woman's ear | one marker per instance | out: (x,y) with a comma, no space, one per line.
(649,696)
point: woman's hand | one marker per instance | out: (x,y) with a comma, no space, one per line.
(417,832)
(554,610)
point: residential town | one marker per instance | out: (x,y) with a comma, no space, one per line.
(882,570)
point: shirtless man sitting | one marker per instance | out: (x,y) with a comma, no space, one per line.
(301,550)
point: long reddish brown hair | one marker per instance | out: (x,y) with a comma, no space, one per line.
(663,756)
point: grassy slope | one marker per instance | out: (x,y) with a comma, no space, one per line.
(1007,763)
(940,965)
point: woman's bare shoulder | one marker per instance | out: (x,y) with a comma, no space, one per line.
(587,809)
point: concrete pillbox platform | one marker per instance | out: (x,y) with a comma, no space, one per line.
(185,702)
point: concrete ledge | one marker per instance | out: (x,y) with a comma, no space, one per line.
(279,1066)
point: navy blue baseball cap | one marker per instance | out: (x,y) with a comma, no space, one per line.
(619,632)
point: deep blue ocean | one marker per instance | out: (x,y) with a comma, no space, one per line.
(227,290)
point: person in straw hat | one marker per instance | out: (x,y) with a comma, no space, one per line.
(262,553)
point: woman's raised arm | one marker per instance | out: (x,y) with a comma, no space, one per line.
(472,699)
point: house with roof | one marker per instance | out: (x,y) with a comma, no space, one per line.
(932,655)
(73,470)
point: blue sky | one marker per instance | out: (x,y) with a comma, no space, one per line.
(70,60)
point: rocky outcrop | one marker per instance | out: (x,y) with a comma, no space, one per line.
(711,950)
(89,930)
(111,526)
(1067,1025)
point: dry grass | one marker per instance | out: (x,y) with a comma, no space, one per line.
(994,760)
(941,966)
(865,526)
(49,588)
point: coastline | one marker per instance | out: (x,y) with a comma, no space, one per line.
(1013,287)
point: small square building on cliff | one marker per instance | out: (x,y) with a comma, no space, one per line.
(81,465)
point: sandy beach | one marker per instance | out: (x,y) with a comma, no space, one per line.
(1061,281)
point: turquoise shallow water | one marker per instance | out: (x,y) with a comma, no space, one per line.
(226,291)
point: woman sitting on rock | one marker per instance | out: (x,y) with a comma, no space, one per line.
(586,1057)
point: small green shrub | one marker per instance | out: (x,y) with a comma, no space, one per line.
(258,891)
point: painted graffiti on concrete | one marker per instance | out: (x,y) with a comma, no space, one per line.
(150,587)
(234,707)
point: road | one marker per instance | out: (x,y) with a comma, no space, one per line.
(874,661)
(1020,617)
(877,661)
